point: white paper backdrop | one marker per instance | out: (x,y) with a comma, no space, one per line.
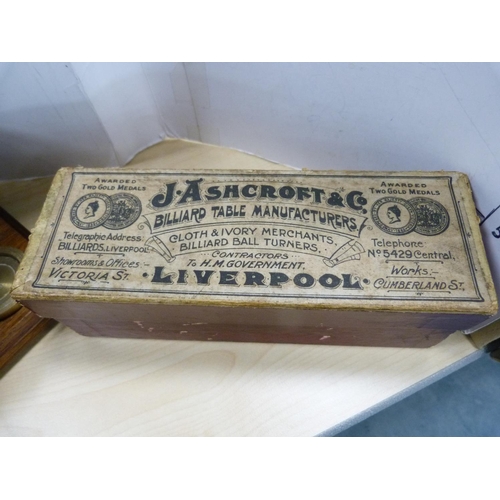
(357,116)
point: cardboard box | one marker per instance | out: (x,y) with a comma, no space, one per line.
(319,257)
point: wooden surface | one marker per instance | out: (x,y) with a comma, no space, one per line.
(23,327)
(73,385)
(68,384)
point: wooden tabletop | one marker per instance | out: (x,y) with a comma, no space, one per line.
(71,385)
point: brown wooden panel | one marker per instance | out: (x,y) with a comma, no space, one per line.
(23,328)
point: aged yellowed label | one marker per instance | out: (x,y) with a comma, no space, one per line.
(313,239)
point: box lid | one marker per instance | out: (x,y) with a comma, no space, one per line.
(405,241)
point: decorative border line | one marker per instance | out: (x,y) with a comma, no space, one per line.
(458,213)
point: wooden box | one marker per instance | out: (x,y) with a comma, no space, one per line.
(318,257)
